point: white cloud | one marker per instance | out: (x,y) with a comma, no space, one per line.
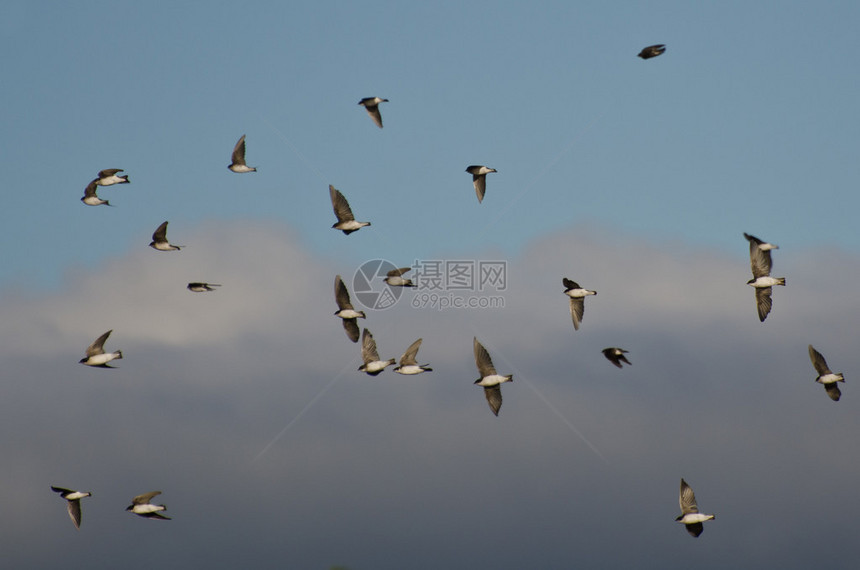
(210,379)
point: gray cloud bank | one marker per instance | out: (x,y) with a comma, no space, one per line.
(581,469)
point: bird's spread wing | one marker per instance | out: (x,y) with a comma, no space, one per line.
(480,182)
(695,529)
(373,111)
(833,391)
(239,151)
(90,190)
(409,357)
(109,172)
(398,272)
(763,301)
(160,233)
(145,498)
(754,241)
(75,512)
(568,284)
(483,361)
(687,499)
(351,328)
(494,397)
(577,309)
(341,294)
(97,346)
(341,207)
(818,362)
(368,347)
(760,260)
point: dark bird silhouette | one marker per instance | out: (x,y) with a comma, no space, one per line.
(371,104)
(479,179)
(616,356)
(652,51)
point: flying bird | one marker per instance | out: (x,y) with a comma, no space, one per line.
(825,376)
(96,355)
(345,220)
(345,310)
(238,158)
(199,287)
(616,356)
(479,179)
(395,279)
(408,362)
(90,198)
(690,515)
(73,502)
(760,263)
(372,364)
(577,300)
(159,240)
(108,177)
(489,379)
(371,104)
(652,51)
(142,507)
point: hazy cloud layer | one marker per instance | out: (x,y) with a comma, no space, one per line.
(580,469)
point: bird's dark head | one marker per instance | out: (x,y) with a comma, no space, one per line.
(82,360)
(751,281)
(130,507)
(678,518)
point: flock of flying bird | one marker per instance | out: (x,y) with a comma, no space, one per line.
(490,380)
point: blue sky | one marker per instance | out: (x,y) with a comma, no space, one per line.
(635,178)
(743,125)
